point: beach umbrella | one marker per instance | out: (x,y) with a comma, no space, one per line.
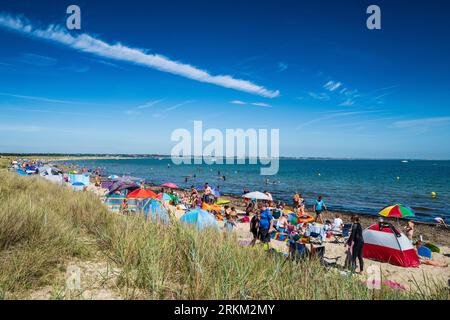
(397,211)
(122,185)
(142,193)
(169,185)
(256,195)
(167,196)
(106,184)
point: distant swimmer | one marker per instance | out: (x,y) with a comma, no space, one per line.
(218,173)
(168,165)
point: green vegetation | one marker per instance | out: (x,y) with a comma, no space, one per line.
(43,227)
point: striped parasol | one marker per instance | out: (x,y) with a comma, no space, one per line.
(397,211)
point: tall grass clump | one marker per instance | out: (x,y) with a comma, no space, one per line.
(37,233)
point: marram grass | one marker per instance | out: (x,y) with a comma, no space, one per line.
(44,226)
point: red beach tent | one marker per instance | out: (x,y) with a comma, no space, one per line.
(387,244)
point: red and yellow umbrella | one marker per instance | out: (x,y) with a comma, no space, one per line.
(397,211)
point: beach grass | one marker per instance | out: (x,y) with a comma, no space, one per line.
(43,227)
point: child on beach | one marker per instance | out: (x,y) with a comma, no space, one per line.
(230,223)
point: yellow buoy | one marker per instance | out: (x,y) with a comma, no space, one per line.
(433,194)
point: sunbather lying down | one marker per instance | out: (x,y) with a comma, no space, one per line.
(432,262)
(428,260)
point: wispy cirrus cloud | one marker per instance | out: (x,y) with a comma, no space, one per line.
(256,104)
(347,103)
(260,104)
(36,98)
(178,105)
(422,122)
(238,102)
(282,66)
(89,44)
(37,60)
(149,104)
(22,128)
(319,96)
(331,85)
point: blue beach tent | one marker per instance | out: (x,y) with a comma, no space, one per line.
(201,219)
(154,210)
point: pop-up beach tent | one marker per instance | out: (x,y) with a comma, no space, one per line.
(83,178)
(154,210)
(201,219)
(52,174)
(383,242)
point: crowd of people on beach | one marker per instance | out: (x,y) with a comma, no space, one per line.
(268,219)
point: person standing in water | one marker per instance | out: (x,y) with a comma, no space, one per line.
(319,205)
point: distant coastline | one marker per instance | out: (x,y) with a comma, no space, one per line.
(94,156)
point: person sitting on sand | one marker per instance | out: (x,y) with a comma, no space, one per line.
(409,229)
(282,223)
(338,223)
(319,205)
(230,223)
(227,210)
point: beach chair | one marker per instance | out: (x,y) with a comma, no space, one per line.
(297,251)
(341,236)
(318,252)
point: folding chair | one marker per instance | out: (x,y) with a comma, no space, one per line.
(341,236)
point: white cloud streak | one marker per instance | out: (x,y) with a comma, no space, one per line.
(331,85)
(238,102)
(260,104)
(422,122)
(86,43)
(179,105)
(149,104)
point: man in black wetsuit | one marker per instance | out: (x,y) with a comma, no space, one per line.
(356,238)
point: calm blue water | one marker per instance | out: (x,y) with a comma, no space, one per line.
(361,186)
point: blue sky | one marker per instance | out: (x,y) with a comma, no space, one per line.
(310,68)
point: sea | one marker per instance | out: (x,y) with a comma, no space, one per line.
(358,186)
